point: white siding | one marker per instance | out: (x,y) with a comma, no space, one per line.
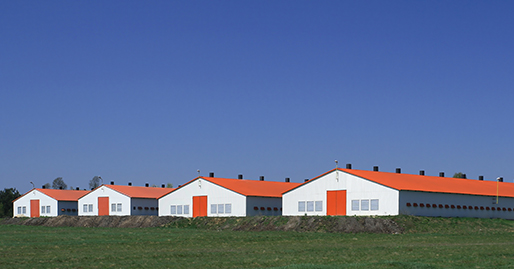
(200,187)
(114,198)
(44,200)
(356,189)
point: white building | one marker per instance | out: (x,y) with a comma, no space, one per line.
(223,197)
(363,193)
(117,200)
(47,203)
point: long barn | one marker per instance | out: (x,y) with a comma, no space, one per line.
(363,193)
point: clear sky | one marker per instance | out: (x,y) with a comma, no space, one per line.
(151,91)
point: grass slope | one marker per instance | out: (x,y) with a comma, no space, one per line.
(426,243)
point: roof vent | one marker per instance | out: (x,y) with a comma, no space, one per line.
(348,166)
(375,168)
(481,178)
(464,176)
(130,184)
(306,180)
(287,179)
(44,187)
(398,170)
(441,174)
(112,182)
(77,188)
(500,179)
(240,176)
(163,186)
(60,188)
(211,174)
(421,172)
(261,178)
(147,185)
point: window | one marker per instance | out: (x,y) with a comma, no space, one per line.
(173,209)
(90,206)
(364,205)
(355,205)
(301,206)
(85,207)
(119,208)
(19,210)
(47,209)
(179,209)
(24,210)
(186,209)
(228,208)
(318,206)
(43,209)
(221,208)
(214,209)
(310,206)
(374,204)
(113,207)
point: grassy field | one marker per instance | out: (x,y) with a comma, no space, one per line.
(426,243)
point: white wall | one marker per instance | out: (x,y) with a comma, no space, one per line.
(44,200)
(455,200)
(114,197)
(201,187)
(356,187)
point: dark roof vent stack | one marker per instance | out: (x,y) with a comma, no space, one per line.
(398,170)
(306,180)
(163,185)
(500,179)
(464,176)
(441,174)
(288,180)
(112,182)
(481,178)
(130,184)
(375,168)
(44,187)
(147,185)
(348,166)
(240,176)
(211,174)
(421,172)
(261,178)
(77,188)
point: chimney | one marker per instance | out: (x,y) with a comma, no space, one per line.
(375,168)
(261,178)
(112,182)
(163,186)
(398,170)
(240,176)
(348,166)
(130,183)
(421,172)
(306,180)
(287,179)
(441,174)
(481,178)
(211,174)
(146,184)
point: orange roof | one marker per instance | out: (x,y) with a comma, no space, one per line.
(60,195)
(407,182)
(140,192)
(251,187)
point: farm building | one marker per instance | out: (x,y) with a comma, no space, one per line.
(118,200)
(358,192)
(47,203)
(223,197)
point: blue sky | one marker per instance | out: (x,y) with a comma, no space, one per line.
(151,91)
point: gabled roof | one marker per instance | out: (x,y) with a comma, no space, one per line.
(60,195)
(408,182)
(250,187)
(139,192)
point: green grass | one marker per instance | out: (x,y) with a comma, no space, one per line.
(427,243)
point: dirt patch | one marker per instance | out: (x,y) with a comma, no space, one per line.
(258,223)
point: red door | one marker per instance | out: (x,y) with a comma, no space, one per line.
(199,206)
(336,203)
(103,206)
(34,208)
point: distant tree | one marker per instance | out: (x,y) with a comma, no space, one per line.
(154,186)
(169,185)
(47,186)
(459,175)
(6,198)
(58,183)
(95,182)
